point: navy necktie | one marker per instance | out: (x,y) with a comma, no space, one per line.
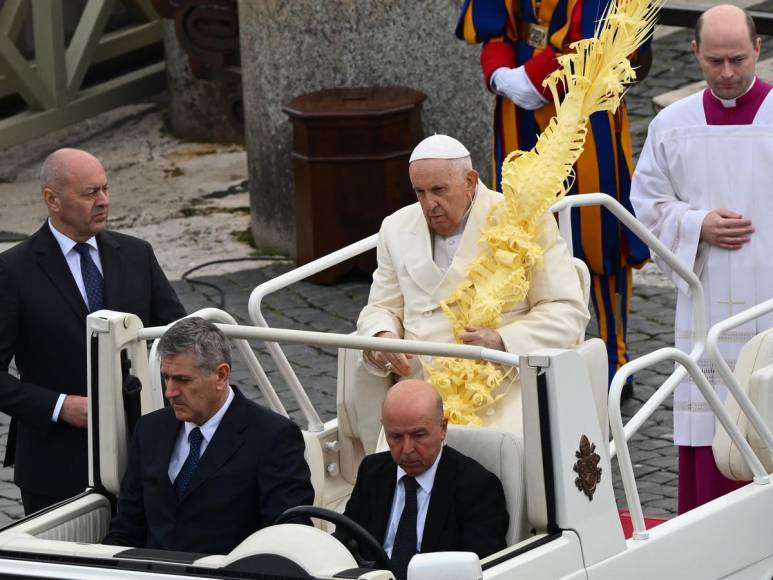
(92,279)
(405,537)
(186,473)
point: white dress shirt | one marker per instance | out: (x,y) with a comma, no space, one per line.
(444,247)
(73,259)
(182,446)
(423,492)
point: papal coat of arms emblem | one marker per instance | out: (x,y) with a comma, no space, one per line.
(587,467)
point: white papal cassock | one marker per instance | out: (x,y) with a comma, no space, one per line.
(687,168)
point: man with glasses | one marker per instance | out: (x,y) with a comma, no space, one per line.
(48,285)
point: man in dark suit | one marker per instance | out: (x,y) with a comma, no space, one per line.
(422,496)
(48,284)
(213,467)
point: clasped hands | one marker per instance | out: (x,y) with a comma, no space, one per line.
(400,363)
(726,229)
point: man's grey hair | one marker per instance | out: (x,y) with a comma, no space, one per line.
(206,341)
(461,164)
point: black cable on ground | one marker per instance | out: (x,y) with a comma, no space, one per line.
(215,287)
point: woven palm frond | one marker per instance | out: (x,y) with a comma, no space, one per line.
(594,77)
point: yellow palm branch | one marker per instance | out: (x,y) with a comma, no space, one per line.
(594,77)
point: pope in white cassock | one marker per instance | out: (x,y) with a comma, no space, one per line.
(423,254)
(702,185)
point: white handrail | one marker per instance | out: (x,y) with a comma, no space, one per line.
(696,290)
(712,345)
(619,435)
(445,349)
(282,281)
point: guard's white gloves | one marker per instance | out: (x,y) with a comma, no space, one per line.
(514,84)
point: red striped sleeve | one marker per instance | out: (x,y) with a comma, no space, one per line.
(496,54)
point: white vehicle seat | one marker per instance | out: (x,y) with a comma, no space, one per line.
(83,520)
(502,454)
(584,275)
(754,372)
(313,456)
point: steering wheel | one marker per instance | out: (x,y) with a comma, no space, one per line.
(350,529)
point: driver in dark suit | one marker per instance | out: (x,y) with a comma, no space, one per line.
(212,467)
(422,496)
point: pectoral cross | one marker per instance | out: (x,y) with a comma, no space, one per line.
(730,302)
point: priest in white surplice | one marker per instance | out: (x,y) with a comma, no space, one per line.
(702,184)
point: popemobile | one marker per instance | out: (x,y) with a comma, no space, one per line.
(556,474)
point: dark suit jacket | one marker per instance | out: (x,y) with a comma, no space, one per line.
(43,323)
(251,471)
(467,509)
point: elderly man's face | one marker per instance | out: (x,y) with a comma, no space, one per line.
(727,54)
(415,436)
(194,393)
(444,192)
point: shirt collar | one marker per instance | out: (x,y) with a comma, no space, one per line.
(208,429)
(730,103)
(427,479)
(66,244)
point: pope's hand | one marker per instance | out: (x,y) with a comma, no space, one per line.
(394,362)
(726,229)
(514,84)
(480,336)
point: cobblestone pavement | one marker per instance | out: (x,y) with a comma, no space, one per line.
(335,308)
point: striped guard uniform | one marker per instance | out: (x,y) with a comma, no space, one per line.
(609,249)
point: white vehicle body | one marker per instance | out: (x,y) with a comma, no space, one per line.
(564,518)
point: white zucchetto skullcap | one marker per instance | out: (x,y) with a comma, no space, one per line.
(439,147)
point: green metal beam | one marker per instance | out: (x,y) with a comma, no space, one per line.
(124,90)
(51,84)
(12,17)
(128,39)
(47,18)
(111,45)
(24,78)
(143,9)
(84,43)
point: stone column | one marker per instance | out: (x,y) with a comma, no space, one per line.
(197,107)
(291,48)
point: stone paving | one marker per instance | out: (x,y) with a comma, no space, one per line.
(335,308)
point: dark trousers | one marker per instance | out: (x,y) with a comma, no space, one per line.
(34,502)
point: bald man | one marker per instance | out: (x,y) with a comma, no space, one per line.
(422,496)
(702,185)
(48,284)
